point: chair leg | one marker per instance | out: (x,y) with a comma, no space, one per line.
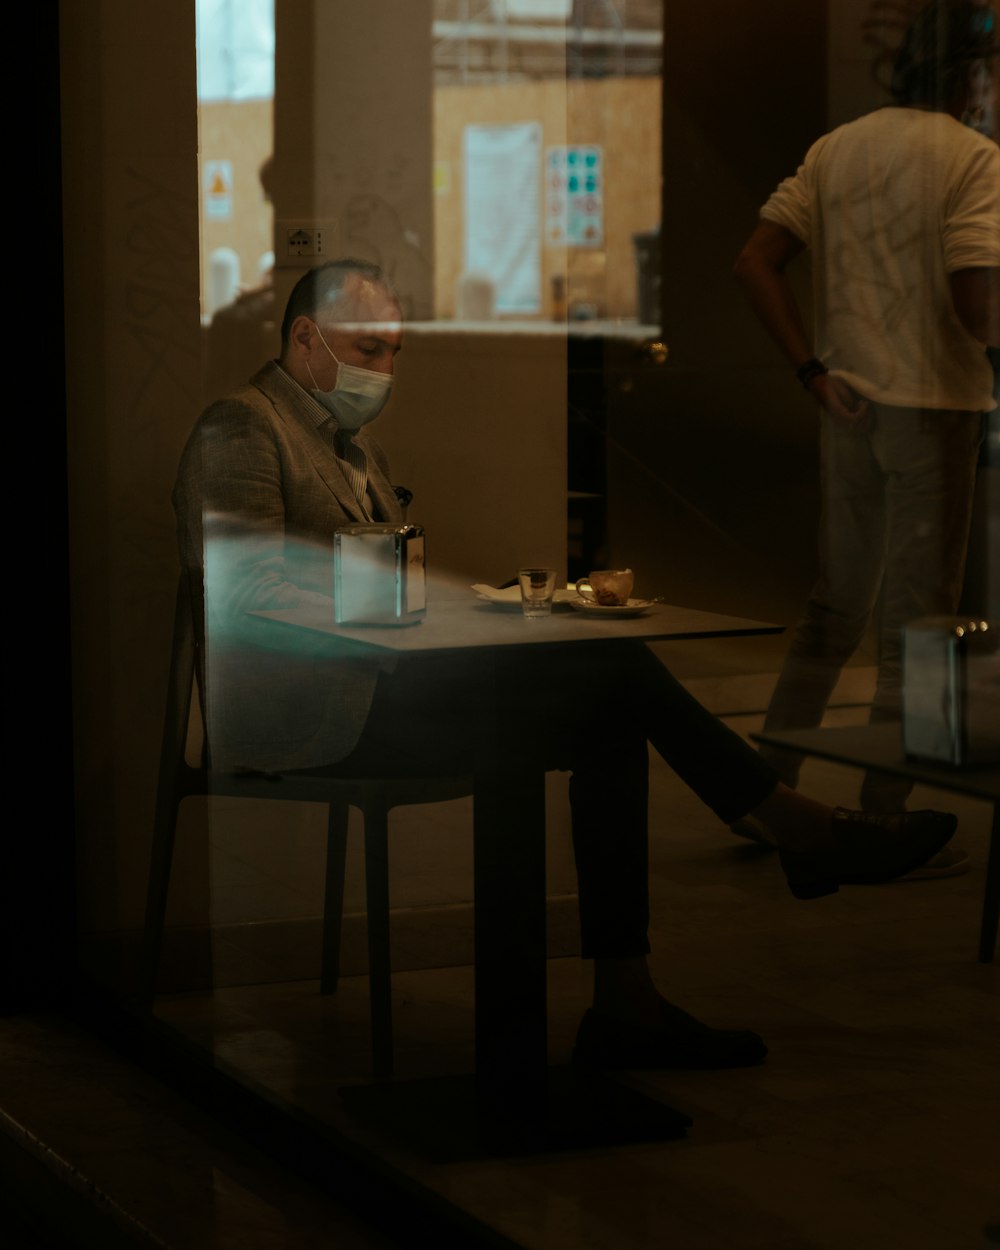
(333,899)
(379,953)
(160,860)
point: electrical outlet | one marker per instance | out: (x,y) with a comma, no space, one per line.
(306,242)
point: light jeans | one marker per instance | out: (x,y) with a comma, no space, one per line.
(897,504)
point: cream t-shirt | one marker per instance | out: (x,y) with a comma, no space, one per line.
(890,205)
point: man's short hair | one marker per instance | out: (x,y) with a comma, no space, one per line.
(323,286)
(940,47)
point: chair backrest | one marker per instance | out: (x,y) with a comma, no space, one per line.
(178,779)
(183,679)
(186,692)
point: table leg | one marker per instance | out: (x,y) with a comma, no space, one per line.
(522,1103)
(511,989)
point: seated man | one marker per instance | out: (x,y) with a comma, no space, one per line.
(269,474)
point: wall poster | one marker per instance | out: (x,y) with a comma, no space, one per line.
(502,210)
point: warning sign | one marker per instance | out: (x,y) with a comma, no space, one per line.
(574,196)
(217,189)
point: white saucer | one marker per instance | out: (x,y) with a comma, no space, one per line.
(634,607)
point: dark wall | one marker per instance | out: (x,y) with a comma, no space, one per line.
(711,465)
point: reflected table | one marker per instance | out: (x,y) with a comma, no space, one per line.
(879,748)
(515,1101)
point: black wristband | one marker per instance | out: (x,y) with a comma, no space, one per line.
(811,369)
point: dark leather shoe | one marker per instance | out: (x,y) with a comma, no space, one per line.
(676,1040)
(868,848)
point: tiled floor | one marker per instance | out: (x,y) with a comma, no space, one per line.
(872,1125)
(97,1155)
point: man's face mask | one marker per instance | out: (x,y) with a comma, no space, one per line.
(358,396)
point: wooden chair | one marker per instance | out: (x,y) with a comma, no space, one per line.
(373,796)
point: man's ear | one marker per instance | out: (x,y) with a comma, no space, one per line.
(301,336)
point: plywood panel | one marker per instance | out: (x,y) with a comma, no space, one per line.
(622,115)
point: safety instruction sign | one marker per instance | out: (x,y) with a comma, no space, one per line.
(217,190)
(574,195)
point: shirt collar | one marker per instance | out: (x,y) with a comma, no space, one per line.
(315,411)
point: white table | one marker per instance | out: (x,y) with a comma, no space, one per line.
(520,1103)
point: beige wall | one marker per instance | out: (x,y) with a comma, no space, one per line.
(133,385)
(353,133)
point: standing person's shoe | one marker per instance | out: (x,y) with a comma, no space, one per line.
(867,849)
(951,862)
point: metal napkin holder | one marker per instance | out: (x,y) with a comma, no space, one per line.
(379,575)
(951,690)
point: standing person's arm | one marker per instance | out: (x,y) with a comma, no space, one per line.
(760,268)
(971,241)
(975,294)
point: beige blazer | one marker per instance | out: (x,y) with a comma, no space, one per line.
(259,494)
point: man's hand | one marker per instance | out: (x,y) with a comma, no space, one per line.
(761,269)
(839,400)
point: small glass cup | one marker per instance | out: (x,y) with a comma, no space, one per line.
(537,588)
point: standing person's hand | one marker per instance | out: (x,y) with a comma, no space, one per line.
(839,400)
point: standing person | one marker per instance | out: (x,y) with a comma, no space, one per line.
(900,211)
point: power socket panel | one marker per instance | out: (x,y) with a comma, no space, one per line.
(305,242)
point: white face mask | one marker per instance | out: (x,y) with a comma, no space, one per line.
(358,396)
